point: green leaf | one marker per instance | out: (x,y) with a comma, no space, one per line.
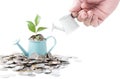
(41,28)
(37,20)
(31,26)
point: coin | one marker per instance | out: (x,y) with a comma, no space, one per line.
(35,63)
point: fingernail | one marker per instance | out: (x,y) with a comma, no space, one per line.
(74,14)
(83,14)
(90,13)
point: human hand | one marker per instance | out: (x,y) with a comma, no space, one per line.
(93,12)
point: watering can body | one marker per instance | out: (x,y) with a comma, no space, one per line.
(38,47)
(66,24)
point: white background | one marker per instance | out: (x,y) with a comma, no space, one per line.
(97,48)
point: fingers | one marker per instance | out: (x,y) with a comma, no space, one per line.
(83,11)
(88,20)
(75,8)
(82,16)
(94,21)
(74,14)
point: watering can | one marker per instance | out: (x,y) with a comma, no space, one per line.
(66,24)
(38,47)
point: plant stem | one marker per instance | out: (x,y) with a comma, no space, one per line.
(35,31)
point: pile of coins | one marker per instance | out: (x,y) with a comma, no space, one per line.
(35,63)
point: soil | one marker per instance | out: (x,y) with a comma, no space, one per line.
(37,37)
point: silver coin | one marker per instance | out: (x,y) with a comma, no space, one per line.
(38,71)
(47,71)
(10,66)
(54,62)
(18,68)
(9,62)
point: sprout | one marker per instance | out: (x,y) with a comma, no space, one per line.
(33,27)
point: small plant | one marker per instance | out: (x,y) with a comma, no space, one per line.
(35,28)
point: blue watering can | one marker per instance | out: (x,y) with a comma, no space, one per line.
(38,47)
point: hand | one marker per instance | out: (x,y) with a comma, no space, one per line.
(93,12)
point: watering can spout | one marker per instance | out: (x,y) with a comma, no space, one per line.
(21,48)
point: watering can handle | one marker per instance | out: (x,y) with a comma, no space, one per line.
(53,44)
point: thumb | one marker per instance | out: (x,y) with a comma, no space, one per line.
(76,7)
